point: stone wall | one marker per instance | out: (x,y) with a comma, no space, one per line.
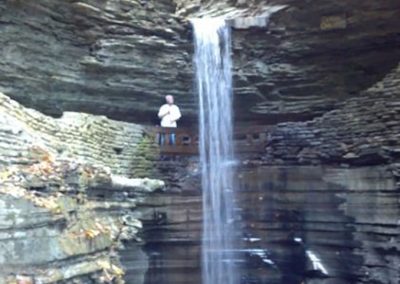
(123,147)
(361,131)
(326,188)
(69,194)
(120,57)
(346,217)
(67,191)
(100,57)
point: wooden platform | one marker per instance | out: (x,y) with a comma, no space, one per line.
(251,139)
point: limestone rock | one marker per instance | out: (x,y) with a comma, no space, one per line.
(60,179)
(119,58)
(362,131)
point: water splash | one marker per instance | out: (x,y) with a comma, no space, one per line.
(316,262)
(214,84)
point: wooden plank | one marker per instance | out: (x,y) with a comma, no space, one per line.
(193,150)
(252,140)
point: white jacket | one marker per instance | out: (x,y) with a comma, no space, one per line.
(169,114)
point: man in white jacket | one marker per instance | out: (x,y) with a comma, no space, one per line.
(169,114)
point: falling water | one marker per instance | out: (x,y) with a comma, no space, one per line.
(214,83)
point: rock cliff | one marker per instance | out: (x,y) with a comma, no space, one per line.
(296,60)
(319,205)
(361,131)
(100,57)
(68,199)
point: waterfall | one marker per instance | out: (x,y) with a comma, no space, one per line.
(214,84)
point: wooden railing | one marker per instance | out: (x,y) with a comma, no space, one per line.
(246,139)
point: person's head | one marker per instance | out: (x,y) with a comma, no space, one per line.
(169,99)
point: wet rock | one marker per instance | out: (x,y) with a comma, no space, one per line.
(317,224)
(119,58)
(65,213)
(344,135)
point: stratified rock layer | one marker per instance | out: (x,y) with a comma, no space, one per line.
(296,224)
(116,58)
(67,195)
(123,147)
(362,131)
(320,205)
(119,58)
(326,208)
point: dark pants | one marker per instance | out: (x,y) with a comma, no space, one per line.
(163,138)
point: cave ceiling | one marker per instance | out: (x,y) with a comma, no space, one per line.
(119,58)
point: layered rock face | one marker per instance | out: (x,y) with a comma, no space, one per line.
(67,196)
(314,57)
(320,205)
(321,224)
(115,58)
(296,224)
(119,58)
(363,132)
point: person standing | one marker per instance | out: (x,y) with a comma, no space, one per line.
(169,114)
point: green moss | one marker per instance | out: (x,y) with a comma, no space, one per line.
(146,154)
